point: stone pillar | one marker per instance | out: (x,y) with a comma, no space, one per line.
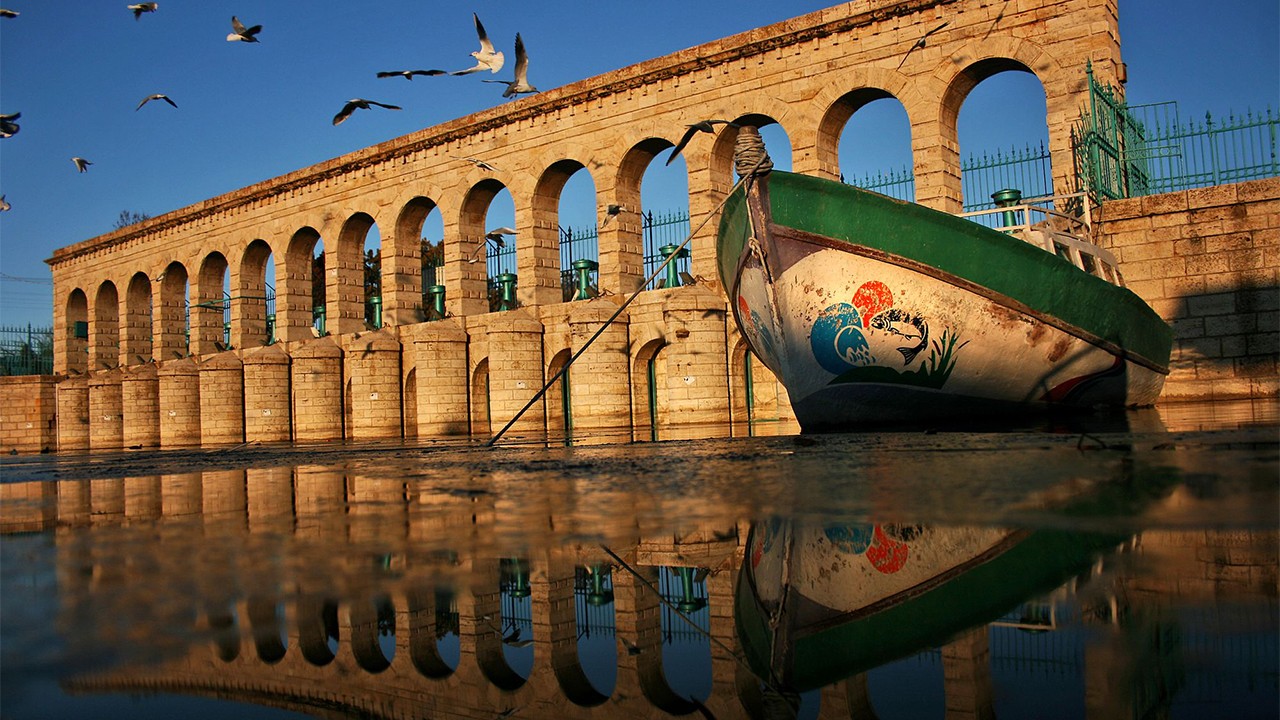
(270,500)
(266,395)
(179,403)
(440,350)
(374,361)
(966,672)
(106,422)
(317,391)
(73,413)
(695,388)
(599,381)
(222,400)
(515,372)
(320,503)
(140,390)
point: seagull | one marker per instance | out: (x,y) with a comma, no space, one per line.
(145,7)
(9,128)
(5,12)
(155,96)
(81,163)
(408,74)
(921,43)
(611,211)
(478,163)
(4,205)
(361,104)
(486,57)
(706,126)
(495,236)
(242,33)
(521,84)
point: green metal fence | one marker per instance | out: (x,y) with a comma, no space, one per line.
(26,351)
(1027,169)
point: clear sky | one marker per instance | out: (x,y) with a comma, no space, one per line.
(77,70)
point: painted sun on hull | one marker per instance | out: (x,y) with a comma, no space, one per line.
(870,310)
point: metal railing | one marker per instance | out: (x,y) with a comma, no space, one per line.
(26,351)
(1027,168)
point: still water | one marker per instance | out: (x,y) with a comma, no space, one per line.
(1125,567)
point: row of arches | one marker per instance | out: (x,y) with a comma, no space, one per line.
(416,256)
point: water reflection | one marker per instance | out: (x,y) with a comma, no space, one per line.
(899,575)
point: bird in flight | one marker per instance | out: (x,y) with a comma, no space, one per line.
(408,74)
(6,12)
(521,84)
(81,163)
(155,96)
(4,204)
(145,7)
(486,57)
(706,126)
(479,163)
(494,236)
(9,128)
(243,33)
(358,104)
(921,43)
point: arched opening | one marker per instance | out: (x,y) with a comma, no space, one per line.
(210,312)
(138,321)
(647,373)
(664,211)
(1002,131)
(559,399)
(516,620)
(104,345)
(266,619)
(875,142)
(302,313)
(760,404)
(480,415)
(373,633)
(318,629)
(253,316)
(686,656)
(77,335)
(173,322)
(410,395)
(434,644)
(225,631)
(355,272)
(596,618)
(422,219)
(567,193)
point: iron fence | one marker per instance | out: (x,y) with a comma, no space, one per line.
(1028,169)
(664,230)
(26,351)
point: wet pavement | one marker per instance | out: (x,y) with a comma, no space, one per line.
(1111,566)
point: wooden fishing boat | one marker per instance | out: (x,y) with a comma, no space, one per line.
(814,605)
(870,309)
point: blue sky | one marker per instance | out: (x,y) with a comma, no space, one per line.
(246,113)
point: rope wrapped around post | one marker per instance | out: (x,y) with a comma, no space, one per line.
(749,155)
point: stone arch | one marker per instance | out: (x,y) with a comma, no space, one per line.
(208,305)
(836,105)
(467,276)
(267,623)
(481,418)
(294,307)
(624,248)
(409,393)
(548,247)
(76,338)
(558,397)
(104,328)
(225,631)
(137,320)
(424,650)
(345,296)
(171,322)
(411,262)
(318,630)
(367,621)
(646,396)
(249,321)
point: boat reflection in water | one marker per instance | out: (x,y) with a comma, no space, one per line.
(522,584)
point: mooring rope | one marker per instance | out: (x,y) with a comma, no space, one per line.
(761,165)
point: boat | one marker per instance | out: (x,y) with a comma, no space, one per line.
(814,605)
(874,310)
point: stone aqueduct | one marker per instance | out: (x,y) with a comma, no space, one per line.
(135,380)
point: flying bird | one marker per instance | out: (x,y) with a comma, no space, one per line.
(706,126)
(495,236)
(479,163)
(921,43)
(408,74)
(155,96)
(242,33)
(6,12)
(521,84)
(4,205)
(145,7)
(358,103)
(9,128)
(486,57)
(611,211)
(81,163)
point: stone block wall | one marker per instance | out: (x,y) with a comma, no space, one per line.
(1208,260)
(28,412)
